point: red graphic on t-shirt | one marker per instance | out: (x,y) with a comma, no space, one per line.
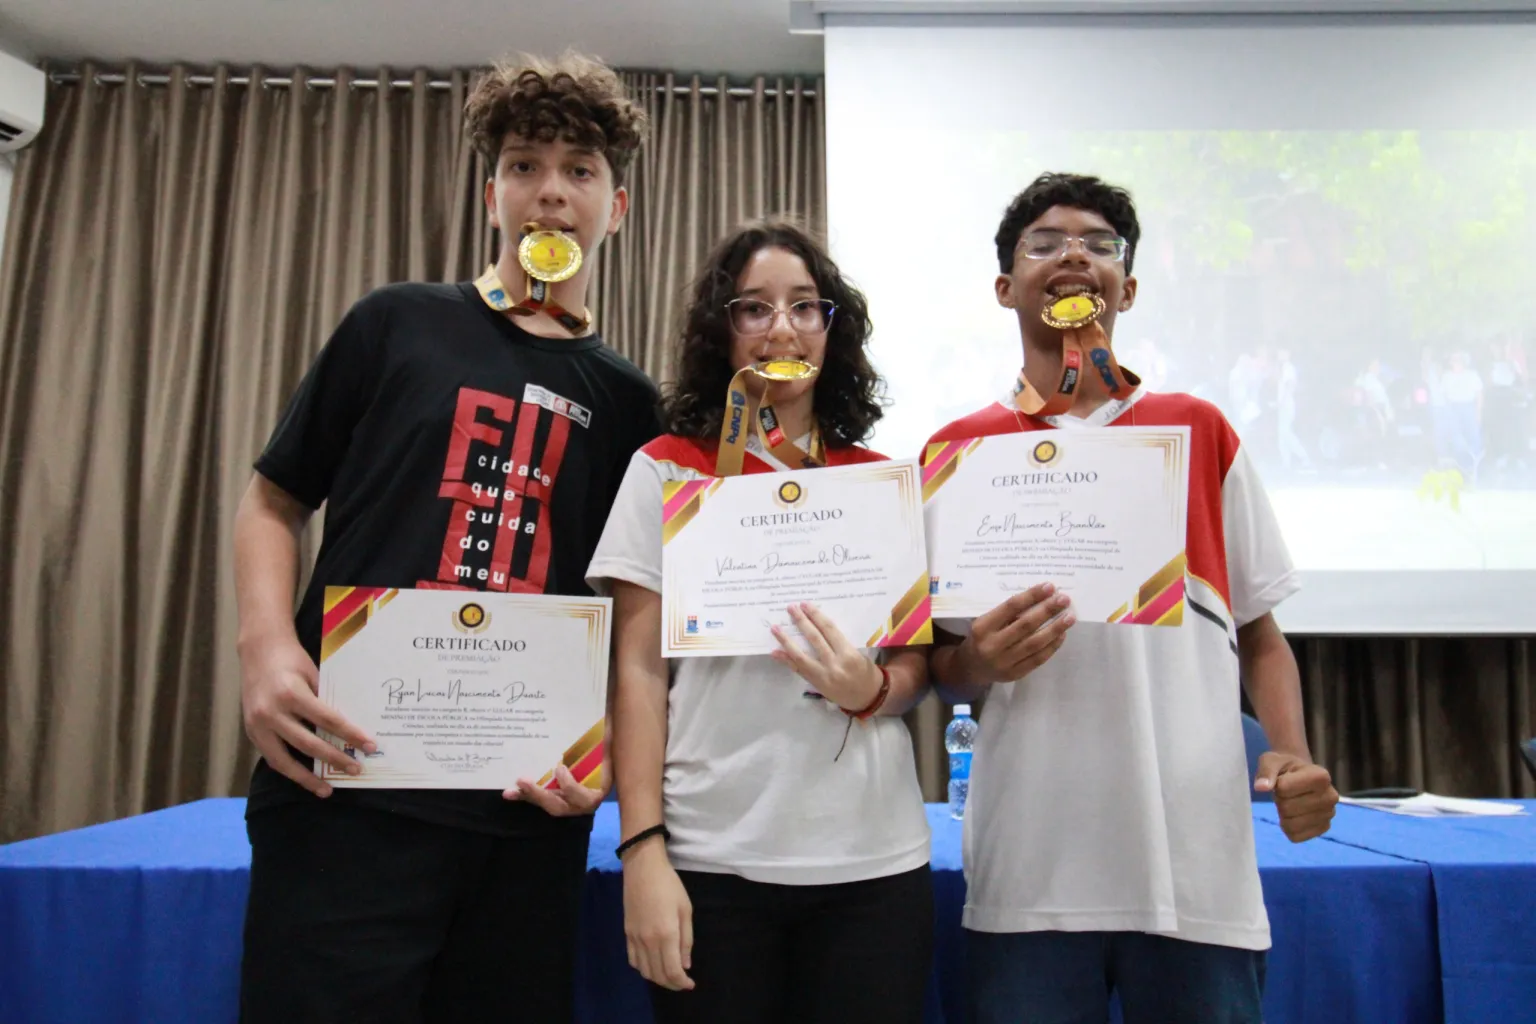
(498,535)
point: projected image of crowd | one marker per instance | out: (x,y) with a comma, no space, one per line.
(1391,420)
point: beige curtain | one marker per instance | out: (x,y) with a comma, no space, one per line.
(717,157)
(176,253)
(1446,715)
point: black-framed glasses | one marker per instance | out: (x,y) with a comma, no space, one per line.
(806,316)
(1049,245)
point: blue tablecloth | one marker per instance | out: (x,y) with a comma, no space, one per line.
(139,921)
(1484,874)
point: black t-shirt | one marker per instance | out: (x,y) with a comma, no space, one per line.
(453,450)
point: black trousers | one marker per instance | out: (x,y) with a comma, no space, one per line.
(361,915)
(807,954)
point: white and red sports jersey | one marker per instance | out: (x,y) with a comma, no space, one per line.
(1109,788)
(753,783)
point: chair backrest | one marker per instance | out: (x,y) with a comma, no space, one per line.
(1256,743)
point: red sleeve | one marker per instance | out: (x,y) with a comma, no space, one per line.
(994,419)
(853,455)
(698,455)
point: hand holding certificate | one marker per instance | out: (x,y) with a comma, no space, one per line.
(466,690)
(1099,513)
(739,551)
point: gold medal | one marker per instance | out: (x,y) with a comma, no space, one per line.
(1073,312)
(547,255)
(785,369)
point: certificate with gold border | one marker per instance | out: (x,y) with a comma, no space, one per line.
(466,689)
(738,551)
(1099,513)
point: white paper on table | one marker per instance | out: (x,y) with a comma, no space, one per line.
(1099,513)
(738,551)
(1428,805)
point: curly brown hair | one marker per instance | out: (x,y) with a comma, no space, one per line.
(1079,191)
(574,98)
(849,397)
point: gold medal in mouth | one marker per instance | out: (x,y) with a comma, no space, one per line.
(785,369)
(749,411)
(548,255)
(1071,312)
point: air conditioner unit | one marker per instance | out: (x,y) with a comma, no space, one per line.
(22,91)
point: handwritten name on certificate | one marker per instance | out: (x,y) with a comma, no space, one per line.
(464,689)
(1099,513)
(737,552)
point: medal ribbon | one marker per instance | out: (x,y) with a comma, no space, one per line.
(495,295)
(744,412)
(1089,338)
(538,298)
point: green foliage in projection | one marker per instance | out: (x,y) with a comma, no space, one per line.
(1443,218)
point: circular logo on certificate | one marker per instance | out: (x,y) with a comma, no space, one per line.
(1044,453)
(1073,311)
(471,618)
(550,256)
(790,494)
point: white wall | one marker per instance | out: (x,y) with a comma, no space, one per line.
(6,173)
(8,160)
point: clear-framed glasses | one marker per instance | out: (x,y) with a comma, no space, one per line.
(754,316)
(1048,245)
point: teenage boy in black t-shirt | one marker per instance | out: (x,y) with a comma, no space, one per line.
(453,446)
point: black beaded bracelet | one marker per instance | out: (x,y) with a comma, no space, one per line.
(640,837)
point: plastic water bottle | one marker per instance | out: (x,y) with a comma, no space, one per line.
(960,740)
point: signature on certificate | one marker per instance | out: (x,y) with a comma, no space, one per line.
(1012,525)
(461,762)
(837,554)
(455,692)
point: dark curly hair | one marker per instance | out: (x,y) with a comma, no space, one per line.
(1079,191)
(574,98)
(849,394)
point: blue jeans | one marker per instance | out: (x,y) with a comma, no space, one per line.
(1067,978)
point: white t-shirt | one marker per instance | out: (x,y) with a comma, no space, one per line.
(750,786)
(1109,788)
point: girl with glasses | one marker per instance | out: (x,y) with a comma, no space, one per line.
(776,851)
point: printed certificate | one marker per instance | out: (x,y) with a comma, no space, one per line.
(1099,513)
(738,551)
(466,689)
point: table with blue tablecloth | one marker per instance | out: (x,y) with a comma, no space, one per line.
(139,921)
(1483,870)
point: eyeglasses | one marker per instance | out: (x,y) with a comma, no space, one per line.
(1048,245)
(754,316)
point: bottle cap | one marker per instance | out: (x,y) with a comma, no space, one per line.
(962,709)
